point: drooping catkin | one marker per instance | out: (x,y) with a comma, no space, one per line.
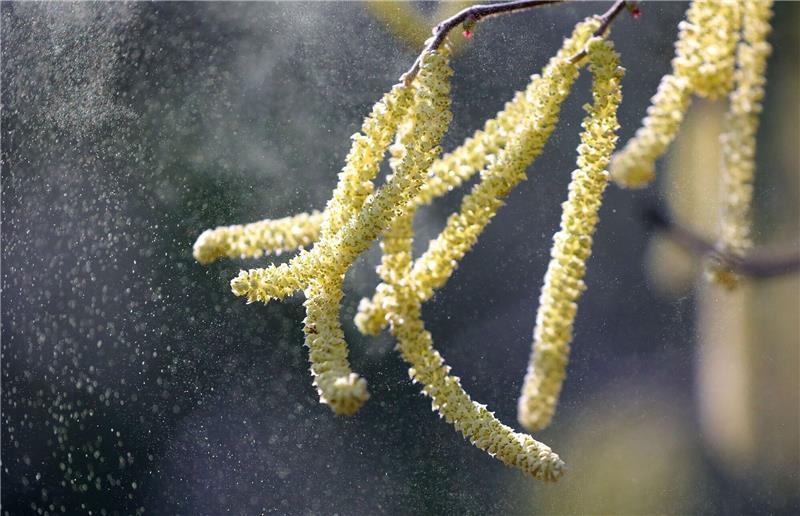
(320,270)
(703,65)
(455,406)
(427,367)
(738,142)
(572,245)
(535,113)
(363,161)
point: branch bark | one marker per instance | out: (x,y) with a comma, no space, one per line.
(471,15)
(606,18)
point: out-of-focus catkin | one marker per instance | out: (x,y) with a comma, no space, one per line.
(703,65)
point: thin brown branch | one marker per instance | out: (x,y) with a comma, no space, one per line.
(758,263)
(471,15)
(605,21)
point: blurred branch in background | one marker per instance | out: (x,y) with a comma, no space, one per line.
(748,347)
(757,263)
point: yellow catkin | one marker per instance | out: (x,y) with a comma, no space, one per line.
(535,115)
(340,388)
(258,238)
(355,184)
(572,245)
(446,173)
(706,50)
(703,64)
(320,270)
(472,419)
(477,151)
(364,160)
(396,241)
(738,142)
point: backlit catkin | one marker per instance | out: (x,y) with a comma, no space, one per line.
(258,238)
(320,270)
(415,344)
(572,245)
(703,65)
(539,107)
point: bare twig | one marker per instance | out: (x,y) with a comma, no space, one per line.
(755,264)
(605,21)
(471,15)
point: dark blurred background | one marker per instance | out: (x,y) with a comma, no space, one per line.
(133,381)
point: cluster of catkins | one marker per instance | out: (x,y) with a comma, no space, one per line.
(721,50)
(409,122)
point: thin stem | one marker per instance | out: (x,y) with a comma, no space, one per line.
(605,21)
(473,14)
(755,264)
